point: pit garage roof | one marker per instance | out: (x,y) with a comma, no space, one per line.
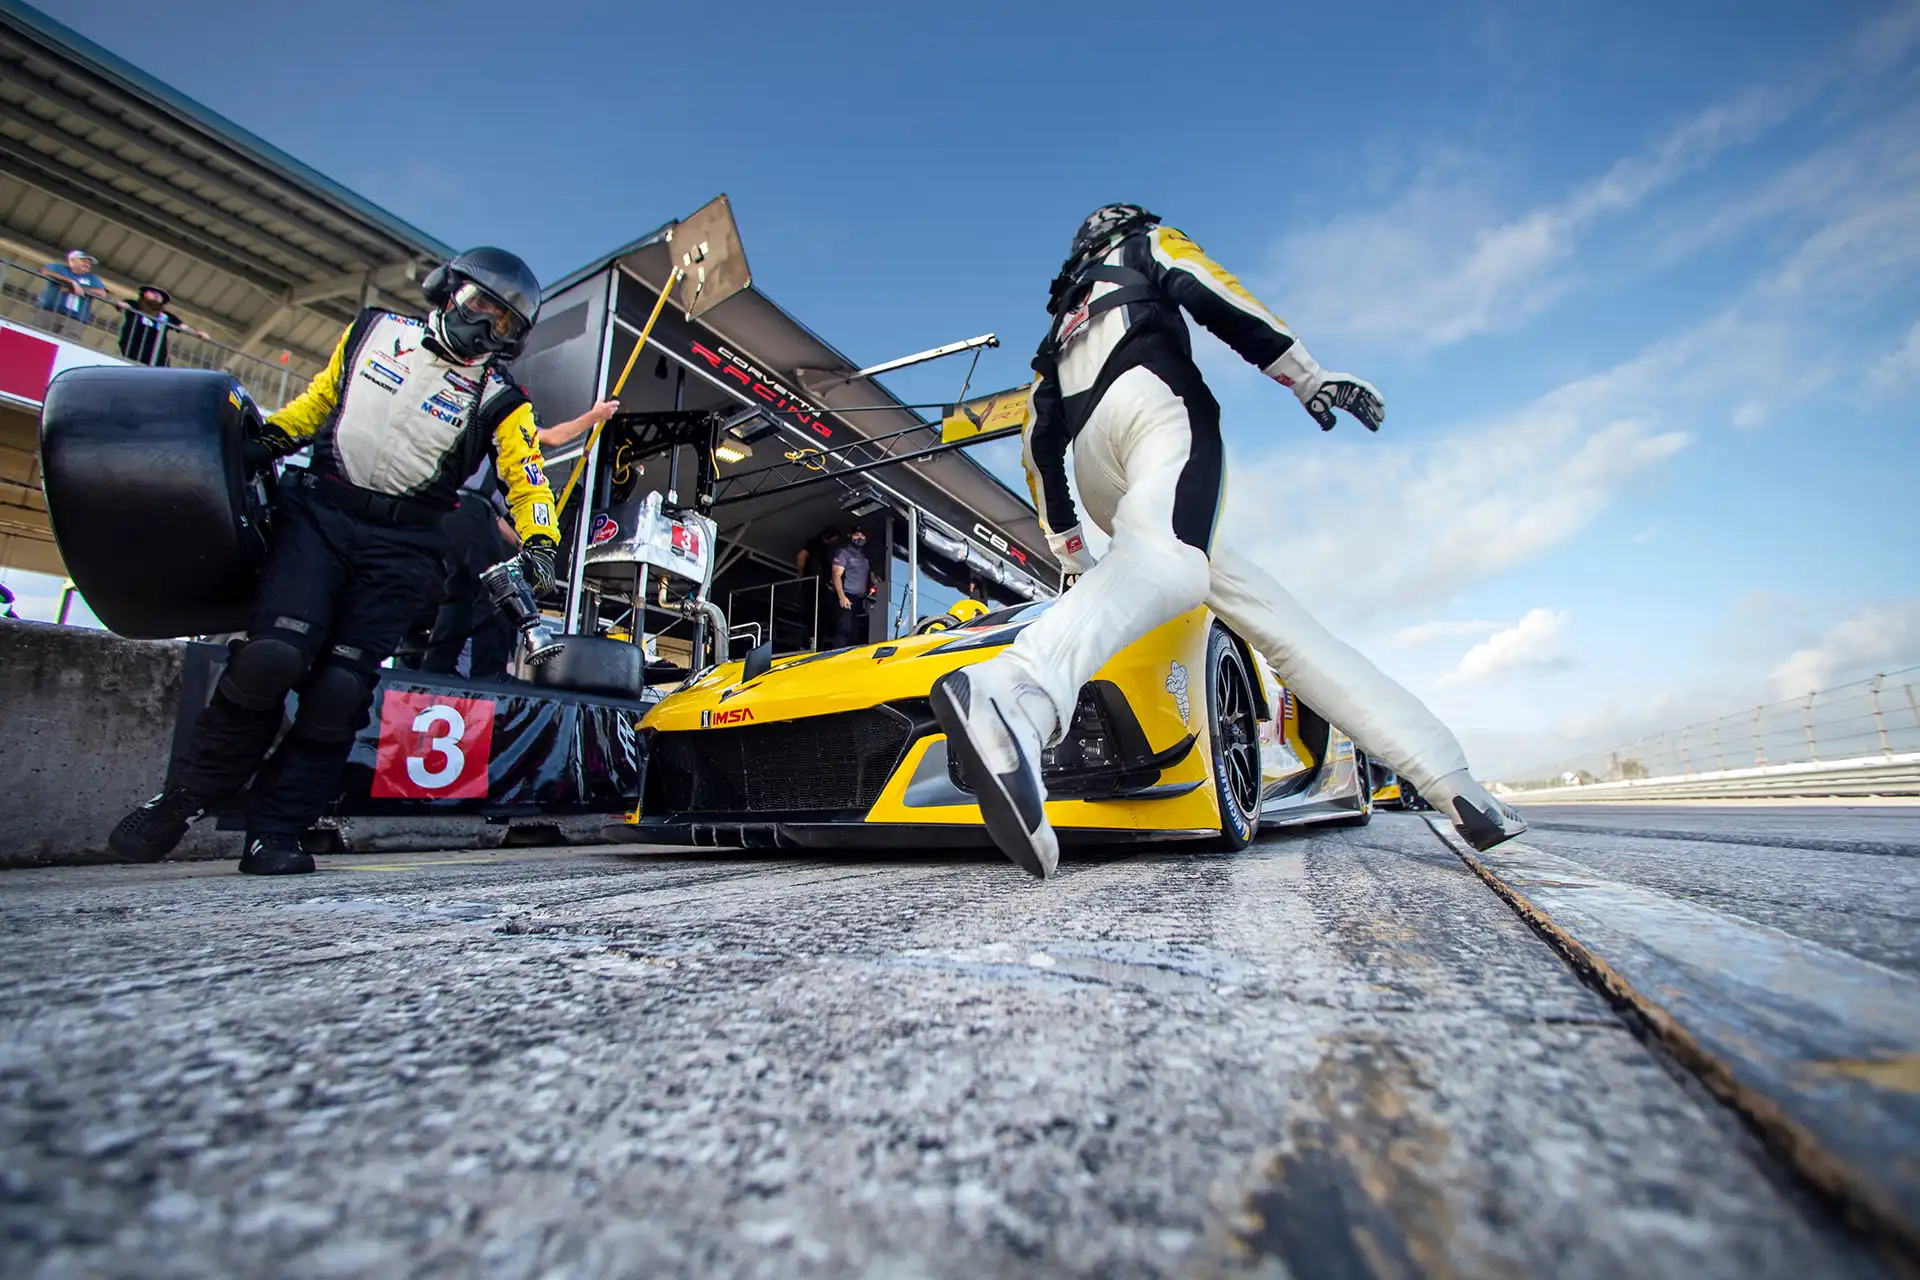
(252,244)
(952,486)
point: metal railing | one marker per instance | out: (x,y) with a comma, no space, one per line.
(802,594)
(21,286)
(1872,721)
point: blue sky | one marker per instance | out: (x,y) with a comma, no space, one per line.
(1640,282)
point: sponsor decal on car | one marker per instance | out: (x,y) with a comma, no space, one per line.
(686,542)
(1177,686)
(605,529)
(711,719)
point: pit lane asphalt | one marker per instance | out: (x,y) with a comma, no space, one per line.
(1336,1054)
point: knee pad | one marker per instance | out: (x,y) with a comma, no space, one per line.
(333,703)
(261,671)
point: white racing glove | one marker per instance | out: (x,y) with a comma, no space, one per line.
(1322,392)
(1070,549)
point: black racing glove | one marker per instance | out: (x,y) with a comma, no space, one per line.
(257,453)
(536,561)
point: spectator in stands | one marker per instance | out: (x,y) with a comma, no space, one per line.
(852,583)
(69,296)
(147,325)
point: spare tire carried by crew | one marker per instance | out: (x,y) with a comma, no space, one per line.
(157,521)
(591,664)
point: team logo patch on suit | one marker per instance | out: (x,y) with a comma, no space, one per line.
(534,474)
(384,374)
(445,408)
(1072,324)
(542,514)
(464,385)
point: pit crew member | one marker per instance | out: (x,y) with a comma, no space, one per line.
(403,413)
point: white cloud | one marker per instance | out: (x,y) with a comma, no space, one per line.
(1440,516)
(1875,636)
(1444,512)
(1442,263)
(1900,368)
(1537,640)
(1425,633)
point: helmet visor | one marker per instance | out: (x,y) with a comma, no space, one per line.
(478,305)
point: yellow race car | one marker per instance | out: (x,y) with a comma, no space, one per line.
(1185,735)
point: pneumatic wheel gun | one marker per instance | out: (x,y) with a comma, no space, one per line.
(507,588)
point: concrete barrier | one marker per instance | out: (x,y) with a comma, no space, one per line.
(86,727)
(86,723)
(1881,776)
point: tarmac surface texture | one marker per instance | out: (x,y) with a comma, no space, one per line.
(1337,1054)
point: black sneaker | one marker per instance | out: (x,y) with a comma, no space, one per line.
(275,854)
(1000,750)
(1486,824)
(151,832)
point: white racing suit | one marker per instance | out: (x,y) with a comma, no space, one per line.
(1123,390)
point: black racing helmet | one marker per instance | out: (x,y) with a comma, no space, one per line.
(1098,232)
(1107,226)
(494,297)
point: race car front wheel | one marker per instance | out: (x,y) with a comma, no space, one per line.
(1233,724)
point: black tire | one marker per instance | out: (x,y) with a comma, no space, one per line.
(1365,775)
(1233,737)
(157,521)
(592,664)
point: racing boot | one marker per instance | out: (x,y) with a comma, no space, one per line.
(150,832)
(998,727)
(275,854)
(1481,820)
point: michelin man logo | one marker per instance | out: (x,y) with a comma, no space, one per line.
(1177,686)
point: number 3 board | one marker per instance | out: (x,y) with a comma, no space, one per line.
(433,747)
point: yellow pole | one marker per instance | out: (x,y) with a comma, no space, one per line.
(594,439)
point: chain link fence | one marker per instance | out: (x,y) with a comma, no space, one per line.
(269,382)
(1877,718)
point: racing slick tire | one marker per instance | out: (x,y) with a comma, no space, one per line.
(592,664)
(1233,738)
(158,522)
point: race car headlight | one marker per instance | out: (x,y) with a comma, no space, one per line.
(1087,744)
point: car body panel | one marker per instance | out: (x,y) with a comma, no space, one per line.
(1161,678)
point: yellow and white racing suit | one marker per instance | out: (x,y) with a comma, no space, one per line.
(391,417)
